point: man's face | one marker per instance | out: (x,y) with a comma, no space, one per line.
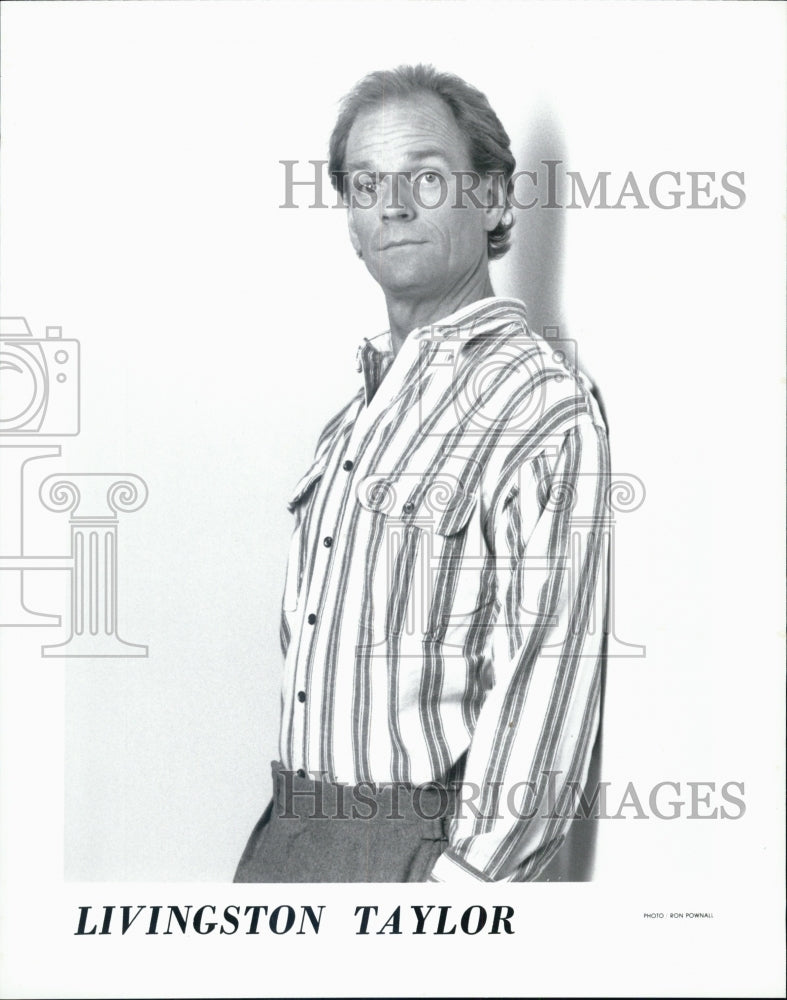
(420,236)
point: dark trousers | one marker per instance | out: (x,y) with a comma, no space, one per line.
(317,831)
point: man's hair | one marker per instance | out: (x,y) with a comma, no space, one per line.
(487,140)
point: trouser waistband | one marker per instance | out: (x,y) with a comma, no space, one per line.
(313,796)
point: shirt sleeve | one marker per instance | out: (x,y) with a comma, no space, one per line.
(530,751)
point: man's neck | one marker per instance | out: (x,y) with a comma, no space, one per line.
(406,314)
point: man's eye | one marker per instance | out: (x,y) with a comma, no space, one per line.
(366,182)
(429,177)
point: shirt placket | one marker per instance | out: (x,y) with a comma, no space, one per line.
(335,498)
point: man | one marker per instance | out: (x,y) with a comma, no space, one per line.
(443,611)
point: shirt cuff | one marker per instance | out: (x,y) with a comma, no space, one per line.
(450,868)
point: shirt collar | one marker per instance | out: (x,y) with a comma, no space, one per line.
(480,318)
(477,319)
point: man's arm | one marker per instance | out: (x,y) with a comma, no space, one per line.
(536,728)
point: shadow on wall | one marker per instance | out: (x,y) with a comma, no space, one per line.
(535,261)
(535,274)
(534,264)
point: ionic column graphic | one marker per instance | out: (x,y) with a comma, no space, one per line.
(94,501)
(623,493)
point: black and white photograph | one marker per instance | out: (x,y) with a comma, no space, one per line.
(392,489)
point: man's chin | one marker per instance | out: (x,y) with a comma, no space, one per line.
(400,282)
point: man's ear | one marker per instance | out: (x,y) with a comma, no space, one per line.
(493,198)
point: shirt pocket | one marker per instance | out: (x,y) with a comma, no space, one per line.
(426,573)
(301,504)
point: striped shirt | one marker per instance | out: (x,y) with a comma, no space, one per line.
(444,603)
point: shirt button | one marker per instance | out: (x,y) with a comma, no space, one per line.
(301,696)
(312,619)
(327,541)
(348,465)
(301,773)
(409,507)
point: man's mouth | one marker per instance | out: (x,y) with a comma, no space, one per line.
(393,244)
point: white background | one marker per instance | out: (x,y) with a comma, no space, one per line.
(140,206)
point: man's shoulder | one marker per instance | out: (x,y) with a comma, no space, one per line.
(530,373)
(336,422)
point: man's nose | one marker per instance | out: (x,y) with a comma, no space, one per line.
(396,197)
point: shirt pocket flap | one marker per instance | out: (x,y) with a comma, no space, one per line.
(437,502)
(307,482)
